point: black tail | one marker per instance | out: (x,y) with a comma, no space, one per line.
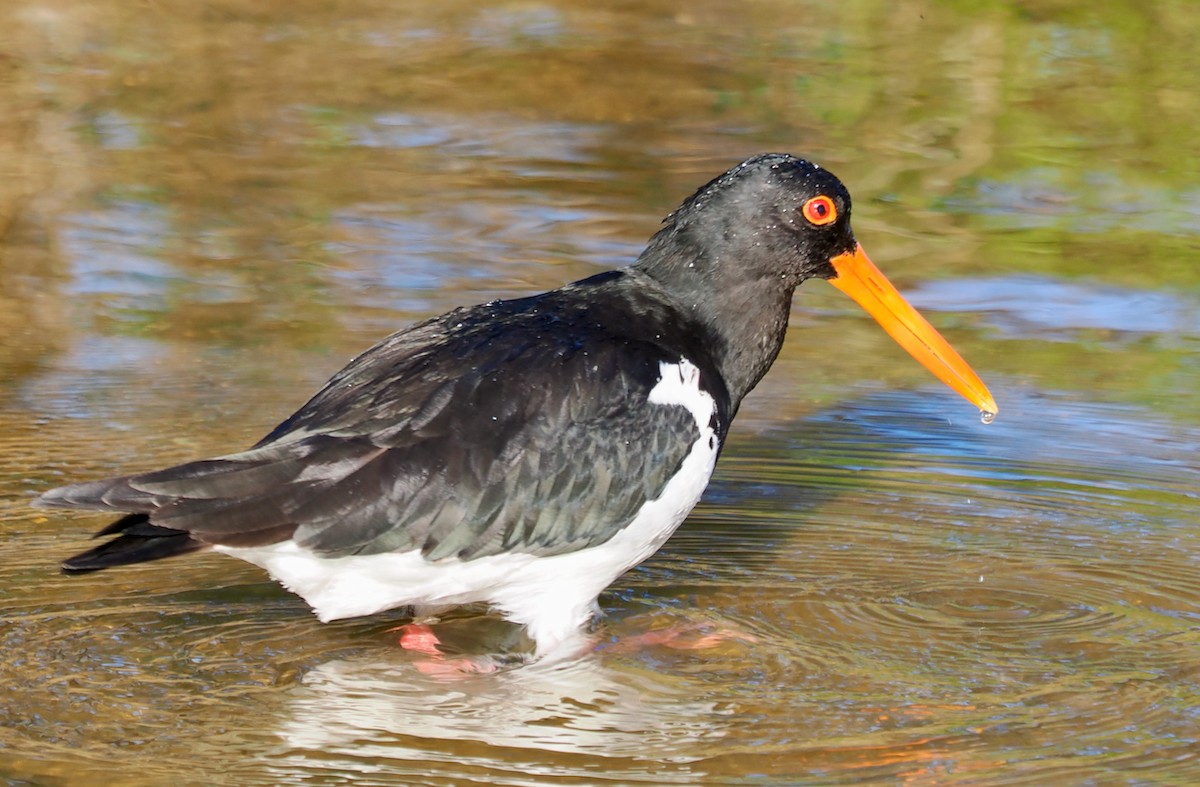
(240,500)
(137,542)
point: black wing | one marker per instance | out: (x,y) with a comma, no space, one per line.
(513,426)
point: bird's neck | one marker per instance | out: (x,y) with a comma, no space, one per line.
(744,319)
(750,325)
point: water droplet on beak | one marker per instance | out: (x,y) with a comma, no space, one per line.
(986,417)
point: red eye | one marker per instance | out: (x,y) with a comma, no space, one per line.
(820,211)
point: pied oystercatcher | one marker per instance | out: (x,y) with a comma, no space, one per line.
(525,453)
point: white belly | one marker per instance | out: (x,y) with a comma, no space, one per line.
(553,596)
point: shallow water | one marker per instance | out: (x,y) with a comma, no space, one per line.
(208,208)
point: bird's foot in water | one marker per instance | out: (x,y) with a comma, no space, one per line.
(684,636)
(420,638)
(447,661)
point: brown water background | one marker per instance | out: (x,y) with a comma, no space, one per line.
(206,208)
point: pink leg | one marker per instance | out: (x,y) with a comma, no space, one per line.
(419,638)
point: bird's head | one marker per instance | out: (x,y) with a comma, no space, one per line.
(757,231)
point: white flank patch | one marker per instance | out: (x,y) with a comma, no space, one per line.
(552,596)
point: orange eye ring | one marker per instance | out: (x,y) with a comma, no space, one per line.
(819,211)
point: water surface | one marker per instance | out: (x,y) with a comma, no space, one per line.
(208,209)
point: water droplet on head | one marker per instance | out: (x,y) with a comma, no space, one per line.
(986,416)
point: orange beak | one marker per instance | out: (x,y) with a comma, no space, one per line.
(858,277)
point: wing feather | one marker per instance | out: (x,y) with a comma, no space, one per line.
(514,426)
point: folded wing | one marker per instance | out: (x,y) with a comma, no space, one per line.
(461,437)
